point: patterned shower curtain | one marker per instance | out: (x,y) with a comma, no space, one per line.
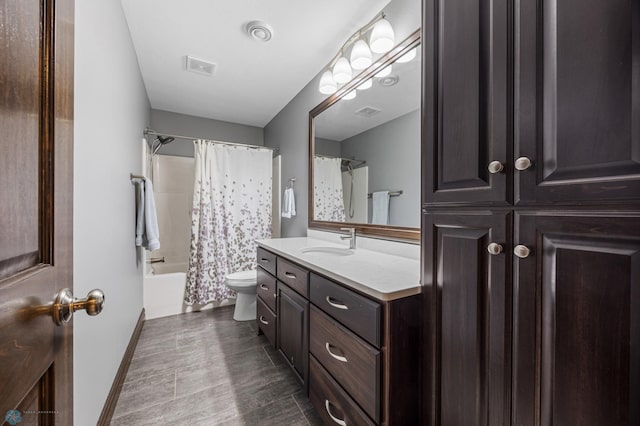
(328,196)
(231,209)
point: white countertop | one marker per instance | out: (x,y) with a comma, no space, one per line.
(379,275)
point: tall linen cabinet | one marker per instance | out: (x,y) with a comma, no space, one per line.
(531,212)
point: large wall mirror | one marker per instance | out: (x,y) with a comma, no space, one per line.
(364,152)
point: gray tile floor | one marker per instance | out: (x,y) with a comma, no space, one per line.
(204,368)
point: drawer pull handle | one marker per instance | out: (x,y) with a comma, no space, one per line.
(264,287)
(264,321)
(264,259)
(338,357)
(336,304)
(289,275)
(334,418)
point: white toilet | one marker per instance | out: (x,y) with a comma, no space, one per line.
(244,284)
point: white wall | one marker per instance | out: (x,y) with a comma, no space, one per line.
(111,110)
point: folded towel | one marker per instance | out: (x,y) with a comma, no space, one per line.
(152,233)
(288,203)
(380,208)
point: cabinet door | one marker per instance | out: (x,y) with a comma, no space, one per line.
(293,327)
(577,320)
(466,101)
(467,298)
(577,100)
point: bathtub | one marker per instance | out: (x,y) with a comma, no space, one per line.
(163,291)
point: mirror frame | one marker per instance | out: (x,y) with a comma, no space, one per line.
(386,231)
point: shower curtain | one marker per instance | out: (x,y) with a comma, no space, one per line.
(328,196)
(231,209)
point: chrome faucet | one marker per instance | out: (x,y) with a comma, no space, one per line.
(351,237)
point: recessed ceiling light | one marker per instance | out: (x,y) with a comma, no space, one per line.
(259,30)
(390,80)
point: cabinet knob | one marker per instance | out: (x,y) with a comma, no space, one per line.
(494,248)
(522,163)
(495,167)
(521,251)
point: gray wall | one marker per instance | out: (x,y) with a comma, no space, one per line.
(111,110)
(198,127)
(289,129)
(392,152)
(327,147)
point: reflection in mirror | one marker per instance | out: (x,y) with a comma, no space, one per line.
(366,158)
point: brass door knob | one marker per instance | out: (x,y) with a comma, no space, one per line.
(64,305)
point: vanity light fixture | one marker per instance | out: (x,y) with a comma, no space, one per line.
(340,69)
(407,56)
(328,85)
(350,95)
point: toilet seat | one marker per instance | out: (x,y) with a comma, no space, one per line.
(242,278)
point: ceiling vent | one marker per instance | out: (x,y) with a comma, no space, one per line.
(367,111)
(259,30)
(200,67)
(390,80)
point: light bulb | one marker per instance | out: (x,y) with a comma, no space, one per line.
(407,56)
(350,95)
(342,71)
(384,72)
(382,38)
(366,85)
(360,55)
(327,84)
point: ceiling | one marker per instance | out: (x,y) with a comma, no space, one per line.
(253,80)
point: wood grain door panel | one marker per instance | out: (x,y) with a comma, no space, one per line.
(577,100)
(466,99)
(577,320)
(468,304)
(293,329)
(36,152)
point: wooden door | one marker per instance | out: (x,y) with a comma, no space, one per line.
(36,125)
(577,320)
(468,311)
(293,326)
(577,104)
(466,101)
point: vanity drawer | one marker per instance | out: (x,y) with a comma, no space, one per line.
(267,260)
(294,276)
(332,403)
(361,315)
(266,289)
(354,363)
(266,322)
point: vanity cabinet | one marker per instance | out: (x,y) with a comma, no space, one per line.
(355,355)
(530,290)
(267,294)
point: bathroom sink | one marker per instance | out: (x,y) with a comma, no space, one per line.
(336,251)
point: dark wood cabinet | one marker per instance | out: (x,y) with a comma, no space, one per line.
(577,100)
(548,330)
(466,101)
(293,330)
(467,331)
(577,319)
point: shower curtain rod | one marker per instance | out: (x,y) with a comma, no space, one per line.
(342,158)
(153,132)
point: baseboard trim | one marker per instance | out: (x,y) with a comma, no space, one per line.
(118,381)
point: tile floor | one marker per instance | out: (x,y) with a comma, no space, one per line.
(204,368)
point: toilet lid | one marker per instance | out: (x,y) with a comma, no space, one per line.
(250,275)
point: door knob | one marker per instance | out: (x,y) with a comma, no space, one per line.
(495,167)
(521,251)
(522,163)
(494,248)
(64,305)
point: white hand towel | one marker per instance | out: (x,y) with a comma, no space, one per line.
(288,203)
(152,233)
(139,211)
(380,208)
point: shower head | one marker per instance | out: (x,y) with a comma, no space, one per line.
(161,141)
